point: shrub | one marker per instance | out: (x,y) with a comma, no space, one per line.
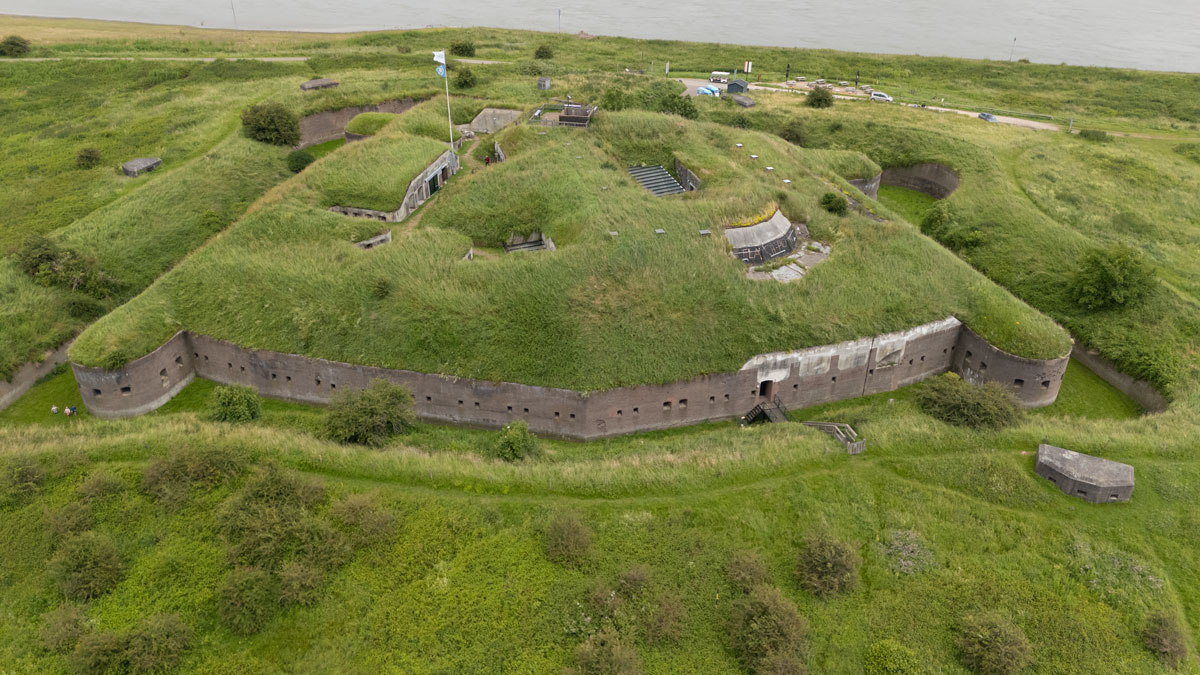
(87,158)
(367,522)
(615,99)
(992,645)
(83,307)
(21,479)
(52,265)
(299,584)
(543,52)
(741,121)
(604,599)
(68,519)
(634,580)
(514,442)
(1114,276)
(674,104)
(951,400)
(158,645)
(537,68)
(666,621)
(766,626)
(370,416)
(171,479)
(298,160)
(1095,135)
(906,552)
(99,653)
(781,664)
(820,97)
(464,78)
(381,288)
(271,123)
(87,565)
(64,626)
(267,522)
(834,203)
(568,540)
(462,48)
(234,403)
(1165,638)
(827,566)
(14,46)
(889,657)
(604,654)
(248,599)
(747,570)
(793,131)
(99,484)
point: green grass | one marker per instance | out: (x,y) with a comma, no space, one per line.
(1085,394)
(367,124)
(911,204)
(58,388)
(321,149)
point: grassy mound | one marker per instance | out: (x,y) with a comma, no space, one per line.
(369,123)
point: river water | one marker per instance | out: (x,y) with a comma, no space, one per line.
(1147,34)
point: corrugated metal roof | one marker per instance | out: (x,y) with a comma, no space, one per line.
(656,179)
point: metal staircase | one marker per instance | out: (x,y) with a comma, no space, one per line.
(656,179)
(770,411)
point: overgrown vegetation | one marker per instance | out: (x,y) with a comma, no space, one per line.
(993,645)
(1166,638)
(298,160)
(271,123)
(819,97)
(889,657)
(768,633)
(462,48)
(1115,276)
(951,400)
(370,416)
(235,403)
(835,203)
(514,442)
(14,46)
(464,78)
(827,566)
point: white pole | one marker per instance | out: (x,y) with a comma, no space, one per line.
(449,119)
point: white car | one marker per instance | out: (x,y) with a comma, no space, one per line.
(880,96)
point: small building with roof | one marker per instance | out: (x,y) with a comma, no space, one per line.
(738,86)
(756,244)
(1093,479)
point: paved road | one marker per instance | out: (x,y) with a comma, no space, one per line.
(201,59)
(481,62)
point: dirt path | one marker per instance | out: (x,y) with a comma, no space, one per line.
(482,62)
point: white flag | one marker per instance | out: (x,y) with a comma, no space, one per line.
(439,57)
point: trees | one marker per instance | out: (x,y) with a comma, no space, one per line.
(1113,276)
(271,123)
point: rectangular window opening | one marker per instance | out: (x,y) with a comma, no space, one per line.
(683,403)
(1018,383)
(1045,384)
(666,405)
(125,391)
(96,393)
(635,411)
(712,399)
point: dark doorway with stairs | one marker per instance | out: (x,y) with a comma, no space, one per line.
(766,389)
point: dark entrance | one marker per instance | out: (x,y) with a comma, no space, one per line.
(434,184)
(766,389)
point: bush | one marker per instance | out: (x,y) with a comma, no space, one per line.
(83,307)
(87,158)
(666,621)
(568,540)
(158,645)
(543,52)
(271,123)
(100,653)
(604,654)
(1115,276)
(634,580)
(615,99)
(382,288)
(234,403)
(52,265)
(14,46)
(367,522)
(794,132)
(1095,135)
(781,664)
(298,160)
(371,416)
(248,599)
(1165,638)
(766,626)
(464,78)
(299,584)
(741,121)
(827,566)
(462,48)
(21,479)
(171,479)
(889,657)
(951,400)
(674,104)
(63,628)
(992,645)
(514,442)
(747,570)
(99,484)
(68,519)
(834,203)
(87,565)
(820,97)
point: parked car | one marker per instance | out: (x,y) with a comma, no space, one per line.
(718,76)
(821,81)
(988,117)
(708,91)
(802,78)
(880,96)
(843,83)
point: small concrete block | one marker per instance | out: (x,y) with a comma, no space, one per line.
(787,182)
(753,156)
(543,83)
(738,145)
(770,168)
(660,231)
(319,83)
(705,233)
(136,167)
(613,234)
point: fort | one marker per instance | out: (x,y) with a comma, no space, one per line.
(935,180)
(793,379)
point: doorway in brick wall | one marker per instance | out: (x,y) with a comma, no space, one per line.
(766,389)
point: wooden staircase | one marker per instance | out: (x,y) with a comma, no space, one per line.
(843,433)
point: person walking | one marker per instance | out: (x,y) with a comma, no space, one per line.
(487,160)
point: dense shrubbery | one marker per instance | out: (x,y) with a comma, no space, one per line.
(820,97)
(298,160)
(234,403)
(992,645)
(1165,637)
(951,400)
(271,123)
(658,96)
(1115,276)
(68,519)
(87,158)
(747,570)
(537,67)
(889,657)
(464,78)
(834,203)
(299,584)
(939,222)
(603,653)
(514,442)
(63,627)
(675,104)
(248,599)
(827,566)
(462,48)
(87,565)
(768,631)
(543,52)
(370,416)
(20,480)
(171,479)
(52,265)
(14,46)
(158,645)
(667,620)
(365,522)
(568,540)
(793,131)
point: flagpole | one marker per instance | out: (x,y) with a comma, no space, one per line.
(449,119)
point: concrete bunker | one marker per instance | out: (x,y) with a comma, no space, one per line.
(419,190)
(932,178)
(534,241)
(758,243)
(136,167)
(319,83)
(1093,479)
(491,120)
(330,125)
